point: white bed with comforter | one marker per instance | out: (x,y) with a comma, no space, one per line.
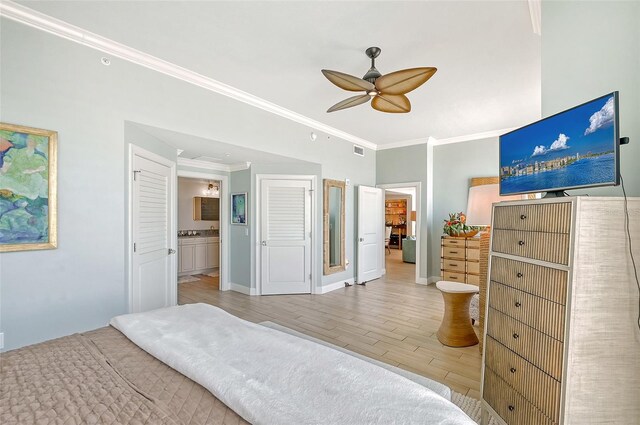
(271,377)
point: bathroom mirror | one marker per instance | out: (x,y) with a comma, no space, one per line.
(333,213)
(206,208)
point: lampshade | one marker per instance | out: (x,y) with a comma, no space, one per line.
(413,216)
(481,197)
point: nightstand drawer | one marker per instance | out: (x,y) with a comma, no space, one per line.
(534,346)
(543,315)
(552,217)
(473,279)
(453,277)
(453,252)
(530,382)
(550,247)
(453,242)
(473,268)
(473,254)
(527,277)
(454,265)
(510,405)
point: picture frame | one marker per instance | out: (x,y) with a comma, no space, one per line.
(28,188)
(239,210)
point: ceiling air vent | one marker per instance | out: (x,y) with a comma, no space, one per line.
(358,150)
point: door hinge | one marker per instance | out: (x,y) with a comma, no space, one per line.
(134,247)
(135,174)
(310,276)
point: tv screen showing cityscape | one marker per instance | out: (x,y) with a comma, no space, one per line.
(575,148)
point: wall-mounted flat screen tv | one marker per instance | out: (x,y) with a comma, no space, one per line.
(573,149)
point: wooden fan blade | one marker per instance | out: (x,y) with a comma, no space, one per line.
(347,82)
(396,104)
(348,103)
(401,82)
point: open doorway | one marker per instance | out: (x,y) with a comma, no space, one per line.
(199,234)
(402,233)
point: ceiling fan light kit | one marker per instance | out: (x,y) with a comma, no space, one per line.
(386,92)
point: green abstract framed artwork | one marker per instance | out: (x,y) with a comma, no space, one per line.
(28,209)
(239,208)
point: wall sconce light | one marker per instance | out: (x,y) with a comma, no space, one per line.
(212,191)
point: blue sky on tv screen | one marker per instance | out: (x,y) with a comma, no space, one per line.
(587,128)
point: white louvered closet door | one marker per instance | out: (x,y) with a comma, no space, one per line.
(152,282)
(285,229)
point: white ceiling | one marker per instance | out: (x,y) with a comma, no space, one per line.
(488,57)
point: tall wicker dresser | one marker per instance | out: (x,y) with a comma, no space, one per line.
(562,344)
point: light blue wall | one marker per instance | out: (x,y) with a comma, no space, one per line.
(48,82)
(590,49)
(453,166)
(240,241)
(403,165)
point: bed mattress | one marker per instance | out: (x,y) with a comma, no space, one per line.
(100,377)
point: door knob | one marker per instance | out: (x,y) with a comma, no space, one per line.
(171,251)
(361,239)
(264,243)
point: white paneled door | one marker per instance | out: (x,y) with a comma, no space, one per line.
(153,284)
(285,236)
(370,233)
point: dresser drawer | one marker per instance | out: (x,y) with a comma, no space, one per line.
(543,315)
(453,252)
(473,254)
(554,218)
(510,405)
(531,383)
(473,279)
(454,277)
(473,268)
(528,277)
(550,247)
(454,265)
(534,346)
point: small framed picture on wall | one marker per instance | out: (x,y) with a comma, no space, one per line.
(239,208)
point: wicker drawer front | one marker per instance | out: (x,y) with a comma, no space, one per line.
(527,277)
(550,247)
(473,254)
(534,346)
(473,279)
(473,268)
(530,382)
(453,242)
(454,265)
(554,218)
(453,277)
(510,405)
(453,252)
(546,316)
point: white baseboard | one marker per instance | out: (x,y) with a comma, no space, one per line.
(384,271)
(422,281)
(333,286)
(242,289)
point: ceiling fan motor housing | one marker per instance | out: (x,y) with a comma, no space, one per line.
(372,74)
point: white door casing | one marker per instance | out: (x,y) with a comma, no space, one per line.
(285,236)
(370,233)
(153,263)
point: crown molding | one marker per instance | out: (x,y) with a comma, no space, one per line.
(470,137)
(404,143)
(206,165)
(535,10)
(38,20)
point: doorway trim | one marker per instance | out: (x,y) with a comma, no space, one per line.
(314,224)
(418,188)
(224,220)
(173,224)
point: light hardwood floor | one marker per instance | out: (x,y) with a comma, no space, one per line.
(390,319)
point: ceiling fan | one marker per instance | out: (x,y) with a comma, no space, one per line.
(386,92)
